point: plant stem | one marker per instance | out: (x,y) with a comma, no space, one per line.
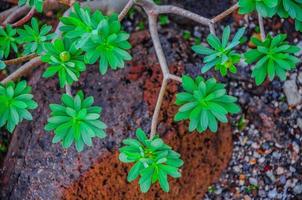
(25,19)
(68,89)
(18,13)
(226,13)
(157,107)
(23,70)
(20,60)
(125,11)
(261,25)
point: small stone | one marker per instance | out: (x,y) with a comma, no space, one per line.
(253,161)
(241,179)
(296,147)
(292,169)
(262,193)
(253,181)
(280,170)
(265,146)
(277,155)
(282,179)
(272,193)
(271,176)
(246,197)
(283,107)
(236,169)
(298,189)
(261,160)
(246,167)
(218,191)
(255,145)
(292,93)
(299,123)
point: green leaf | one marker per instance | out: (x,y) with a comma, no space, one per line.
(135,171)
(163,181)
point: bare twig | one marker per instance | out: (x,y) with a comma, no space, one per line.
(25,19)
(20,60)
(164,68)
(23,70)
(182,12)
(212,28)
(157,46)
(68,89)
(6,13)
(261,25)
(126,9)
(226,13)
(175,78)
(157,107)
(18,13)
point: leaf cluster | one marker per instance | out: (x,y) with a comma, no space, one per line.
(154,161)
(99,36)
(15,101)
(8,41)
(37,4)
(221,54)
(273,56)
(75,120)
(33,37)
(65,60)
(203,103)
(266,8)
(269,8)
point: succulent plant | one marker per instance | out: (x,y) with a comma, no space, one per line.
(65,60)
(99,36)
(8,40)
(204,102)
(15,101)
(33,37)
(273,56)
(75,120)
(154,161)
(222,54)
(266,8)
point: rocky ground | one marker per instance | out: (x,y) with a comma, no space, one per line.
(267,135)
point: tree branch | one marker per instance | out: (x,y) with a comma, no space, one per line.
(23,70)
(182,12)
(18,13)
(126,9)
(20,60)
(157,107)
(226,13)
(25,19)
